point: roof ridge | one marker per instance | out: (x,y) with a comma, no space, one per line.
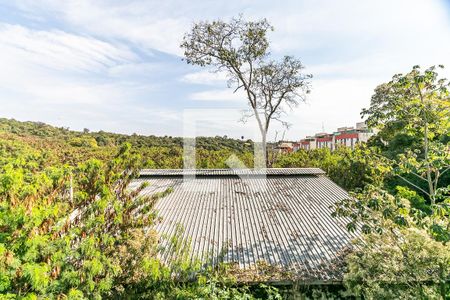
(233,172)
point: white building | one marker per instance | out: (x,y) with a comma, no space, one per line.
(344,136)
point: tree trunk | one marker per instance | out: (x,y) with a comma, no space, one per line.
(426,146)
(260,158)
(264,147)
(427,162)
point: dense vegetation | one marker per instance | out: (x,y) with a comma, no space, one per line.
(76,232)
(61,145)
(404,250)
(69,228)
(400,188)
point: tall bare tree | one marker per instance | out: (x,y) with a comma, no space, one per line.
(241,50)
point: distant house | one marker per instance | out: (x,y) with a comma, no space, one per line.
(350,136)
(307,143)
(324,140)
(285,147)
(344,136)
(284,225)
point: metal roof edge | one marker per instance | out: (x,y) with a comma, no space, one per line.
(232,172)
(296,282)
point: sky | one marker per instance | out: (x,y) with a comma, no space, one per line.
(117,66)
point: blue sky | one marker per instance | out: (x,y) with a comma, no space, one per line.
(116,65)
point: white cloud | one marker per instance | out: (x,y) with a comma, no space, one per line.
(205,77)
(135,69)
(50,67)
(218,95)
(70,80)
(146,24)
(59,50)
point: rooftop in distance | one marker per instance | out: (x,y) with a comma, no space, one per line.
(343,137)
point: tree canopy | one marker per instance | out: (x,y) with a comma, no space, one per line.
(417,105)
(241,50)
(409,105)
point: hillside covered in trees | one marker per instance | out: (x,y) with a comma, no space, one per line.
(71,147)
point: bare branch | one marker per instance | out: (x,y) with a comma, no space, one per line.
(446,170)
(418,176)
(238,88)
(414,185)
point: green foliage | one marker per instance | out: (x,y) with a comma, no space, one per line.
(96,241)
(412,112)
(52,244)
(351,169)
(403,264)
(83,142)
(60,145)
(427,170)
(403,106)
(403,251)
(416,200)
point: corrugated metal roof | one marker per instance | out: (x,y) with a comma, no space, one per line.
(231,172)
(288,225)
